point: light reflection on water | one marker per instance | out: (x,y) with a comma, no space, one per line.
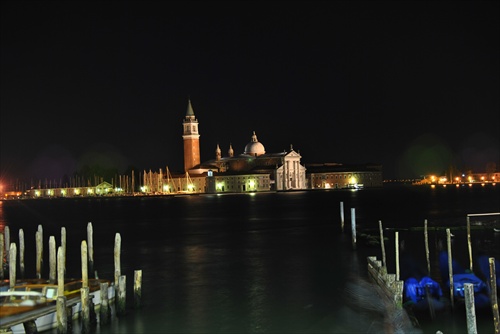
(233,264)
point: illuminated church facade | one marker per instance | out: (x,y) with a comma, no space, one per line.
(253,170)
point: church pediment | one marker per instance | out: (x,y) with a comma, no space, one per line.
(292,154)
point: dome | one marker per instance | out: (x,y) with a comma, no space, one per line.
(254,147)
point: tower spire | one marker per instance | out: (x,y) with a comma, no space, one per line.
(189,111)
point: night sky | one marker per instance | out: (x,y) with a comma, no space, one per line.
(411,85)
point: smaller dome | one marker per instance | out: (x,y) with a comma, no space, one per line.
(254,147)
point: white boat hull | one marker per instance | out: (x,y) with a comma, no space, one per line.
(49,321)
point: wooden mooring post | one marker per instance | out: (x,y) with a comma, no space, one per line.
(137,288)
(426,241)
(84,291)
(382,245)
(120,280)
(104,313)
(21,253)
(493,295)
(39,250)
(61,312)
(469,308)
(342,216)
(52,259)
(396,242)
(450,267)
(469,243)
(90,241)
(122,296)
(2,247)
(12,265)
(40,231)
(117,251)
(6,232)
(353,227)
(63,248)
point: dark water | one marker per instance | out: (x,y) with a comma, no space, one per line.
(267,263)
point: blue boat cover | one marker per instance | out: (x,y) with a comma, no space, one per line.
(419,290)
(460,279)
(462,276)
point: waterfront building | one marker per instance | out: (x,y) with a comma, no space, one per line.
(340,176)
(102,189)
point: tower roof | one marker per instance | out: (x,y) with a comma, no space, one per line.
(189,111)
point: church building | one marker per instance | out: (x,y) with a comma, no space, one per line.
(252,170)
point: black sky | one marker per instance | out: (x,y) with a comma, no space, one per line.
(412,85)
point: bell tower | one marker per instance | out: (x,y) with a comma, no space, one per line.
(191,139)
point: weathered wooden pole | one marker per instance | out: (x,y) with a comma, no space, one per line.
(396,240)
(469,244)
(85,273)
(493,295)
(382,245)
(2,247)
(6,232)
(426,240)
(60,272)
(104,310)
(21,253)
(61,315)
(38,240)
(398,288)
(63,249)
(450,267)
(342,216)
(40,229)
(85,312)
(90,241)
(12,265)
(52,259)
(117,252)
(122,295)
(137,288)
(353,227)
(469,308)
(61,312)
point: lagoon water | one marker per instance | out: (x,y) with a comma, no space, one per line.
(258,263)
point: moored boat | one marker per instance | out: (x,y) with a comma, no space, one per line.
(15,302)
(424,296)
(461,277)
(44,297)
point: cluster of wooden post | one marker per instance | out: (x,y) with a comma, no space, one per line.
(469,287)
(393,287)
(57,265)
(389,283)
